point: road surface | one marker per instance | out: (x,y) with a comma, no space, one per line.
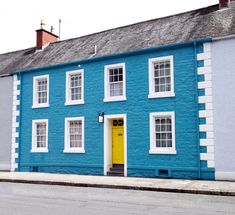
(32,199)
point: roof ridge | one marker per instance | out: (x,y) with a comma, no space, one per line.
(200,23)
(137,23)
(120,27)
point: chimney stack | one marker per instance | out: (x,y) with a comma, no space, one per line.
(45,37)
(226,3)
(223,3)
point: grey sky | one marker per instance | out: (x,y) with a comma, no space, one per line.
(20,18)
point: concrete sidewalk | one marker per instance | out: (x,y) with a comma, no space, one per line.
(224,188)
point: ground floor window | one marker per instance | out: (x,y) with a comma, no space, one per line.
(74,135)
(162,133)
(40,135)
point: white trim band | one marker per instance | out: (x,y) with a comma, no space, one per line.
(15,124)
(207,100)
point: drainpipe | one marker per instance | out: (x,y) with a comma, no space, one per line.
(197,121)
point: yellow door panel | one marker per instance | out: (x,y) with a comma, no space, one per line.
(118,144)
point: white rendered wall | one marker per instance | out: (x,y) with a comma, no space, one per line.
(5,122)
(223,67)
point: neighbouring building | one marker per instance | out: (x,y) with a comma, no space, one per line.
(6,98)
(152,99)
(223,68)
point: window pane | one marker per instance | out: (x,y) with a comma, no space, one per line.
(75,87)
(42,90)
(41,135)
(168,87)
(120,75)
(115,71)
(168,127)
(157,81)
(116,89)
(169,143)
(167,72)
(156,73)
(75,134)
(162,88)
(111,79)
(116,82)
(115,78)
(158,143)
(162,79)
(158,128)
(163,132)
(161,65)
(167,80)
(163,143)
(157,88)
(111,71)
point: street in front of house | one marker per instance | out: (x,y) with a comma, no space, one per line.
(16,198)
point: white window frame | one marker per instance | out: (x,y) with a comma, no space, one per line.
(67,148)
(34,142)
(107,97)
(152,93)
(68,100)
(35,95)
(153,148)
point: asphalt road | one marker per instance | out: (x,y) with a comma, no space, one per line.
(50,199)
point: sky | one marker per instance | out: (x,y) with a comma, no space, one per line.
(20,18)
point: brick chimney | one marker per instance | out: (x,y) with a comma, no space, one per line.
(223,3)
(226,3)
(44,38)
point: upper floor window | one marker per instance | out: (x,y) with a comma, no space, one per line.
(161,77)
(41,91)
(162,133)
(40,135)
(74,87)
(74,135)
(115,82)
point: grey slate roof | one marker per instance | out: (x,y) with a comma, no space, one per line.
(197,24)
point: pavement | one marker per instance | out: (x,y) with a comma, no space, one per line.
(223,188)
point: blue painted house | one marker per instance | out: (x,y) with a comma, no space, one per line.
(132,101)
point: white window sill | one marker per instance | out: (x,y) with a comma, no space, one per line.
(79,151)
(40,106)
(165,151)
(161,95)
(115,99)
(79,102)
(39,150)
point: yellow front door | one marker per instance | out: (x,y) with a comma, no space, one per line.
(118,141)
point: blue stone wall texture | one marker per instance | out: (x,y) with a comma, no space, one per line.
(137,107)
